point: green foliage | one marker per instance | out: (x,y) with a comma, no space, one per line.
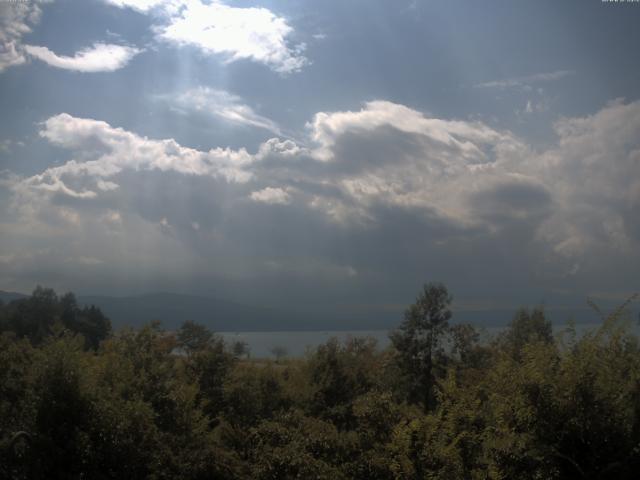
(240,349)
(154,404)
(254,392)
(296,446)
(418,342)
(193,337)
(526,327)
(35,318)
(338,375)
(279,352)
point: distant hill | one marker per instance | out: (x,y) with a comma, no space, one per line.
(226,316)
(220,315)
(7,297)
(173,309)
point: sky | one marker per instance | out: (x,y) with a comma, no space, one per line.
(329,155)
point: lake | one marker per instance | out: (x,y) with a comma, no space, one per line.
(297,343)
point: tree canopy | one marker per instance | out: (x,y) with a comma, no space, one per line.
(418,340)
(151,403)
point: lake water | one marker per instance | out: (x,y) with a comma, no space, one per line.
(297,343)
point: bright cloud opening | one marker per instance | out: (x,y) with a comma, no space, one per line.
(236,33)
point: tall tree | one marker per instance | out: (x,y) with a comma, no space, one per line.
(34,317)
(194,337)
(526,327)
(418,341)
(88,321)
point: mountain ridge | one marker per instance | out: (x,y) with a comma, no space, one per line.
(221,315)
(172,309)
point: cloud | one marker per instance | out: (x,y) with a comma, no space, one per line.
(111,150)
(100,57)
(386,191)
(594,172)
(390,154)
(8,145)
(223,105)
(235,33)
(16,20)
(272,196)
(10,56)
(519,82)
(140,5)
(464,138)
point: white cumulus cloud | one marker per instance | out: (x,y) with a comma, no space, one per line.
(236,33)
(111,151)
(16,20)
(216,28)
(271,195)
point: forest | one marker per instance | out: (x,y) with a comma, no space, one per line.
(80,401)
